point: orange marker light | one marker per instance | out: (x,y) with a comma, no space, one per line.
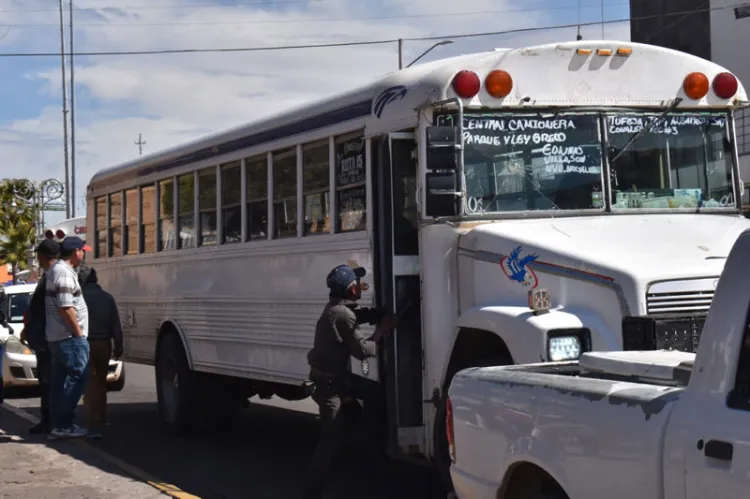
(624,51)
(696,86)
(604,52)
(498,84)
(583,51)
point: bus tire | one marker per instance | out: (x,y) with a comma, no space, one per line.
(176,390)
(441,456)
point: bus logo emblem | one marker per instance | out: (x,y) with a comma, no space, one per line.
(516,268)
(386,97)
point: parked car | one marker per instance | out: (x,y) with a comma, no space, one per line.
(19,361)
(620,425)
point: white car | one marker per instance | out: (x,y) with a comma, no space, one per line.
(19,361)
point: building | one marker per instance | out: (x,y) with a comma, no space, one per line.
(712,29)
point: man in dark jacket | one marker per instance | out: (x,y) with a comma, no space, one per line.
(104,328)
(337,337)
(47,253)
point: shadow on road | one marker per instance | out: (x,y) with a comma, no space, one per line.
(264,455)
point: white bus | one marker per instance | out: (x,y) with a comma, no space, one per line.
(69,227)
(517,206)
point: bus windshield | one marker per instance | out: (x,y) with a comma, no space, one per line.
(673,161)
(534,162)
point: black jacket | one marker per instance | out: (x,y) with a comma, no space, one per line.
(337,337)
(104,318)
(36,318)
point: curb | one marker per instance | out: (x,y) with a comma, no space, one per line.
(137,473)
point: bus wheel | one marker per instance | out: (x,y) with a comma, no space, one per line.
(175,392)
(441,453)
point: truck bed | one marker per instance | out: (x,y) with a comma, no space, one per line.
(579,424)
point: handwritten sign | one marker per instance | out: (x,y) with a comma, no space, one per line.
(559,144)
(350,162)
(352,208)
(670,125)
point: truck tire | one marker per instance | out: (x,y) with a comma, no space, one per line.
(176,390)
(117,386)
(440,438)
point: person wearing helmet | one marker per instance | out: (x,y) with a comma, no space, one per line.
(337,338)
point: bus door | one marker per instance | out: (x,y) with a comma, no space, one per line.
(398,285)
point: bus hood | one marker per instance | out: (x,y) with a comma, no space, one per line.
(642,247)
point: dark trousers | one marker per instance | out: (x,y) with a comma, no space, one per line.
(43,373)
(335,425)
(333,431)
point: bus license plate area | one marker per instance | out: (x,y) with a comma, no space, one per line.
(647,333)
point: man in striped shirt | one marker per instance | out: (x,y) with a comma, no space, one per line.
(65,330)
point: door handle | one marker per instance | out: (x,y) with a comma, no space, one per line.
(718,449)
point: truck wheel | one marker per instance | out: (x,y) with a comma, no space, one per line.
(440,438)
(176,388)
(117,386)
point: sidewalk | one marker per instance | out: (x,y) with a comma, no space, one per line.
(30,467)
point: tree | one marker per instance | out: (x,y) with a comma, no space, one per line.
(17,234)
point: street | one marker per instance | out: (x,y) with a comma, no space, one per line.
(265,456)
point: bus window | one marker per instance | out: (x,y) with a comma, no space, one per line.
(167,237)
(315,165)
(285,192)
(186,214)
(115,224)
(207,206)
(231,202)
(351,183)
(131,222)
(100,229)
(256,185)
(148,218)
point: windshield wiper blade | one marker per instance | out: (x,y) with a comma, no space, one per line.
(640,132)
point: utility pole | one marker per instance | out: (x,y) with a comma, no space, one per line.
(140,143)
(72,122)
(400,53)
(65,114)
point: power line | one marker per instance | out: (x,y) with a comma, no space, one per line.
(363,43)
(169,7)
(308,20)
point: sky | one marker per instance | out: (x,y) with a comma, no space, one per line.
(175,98)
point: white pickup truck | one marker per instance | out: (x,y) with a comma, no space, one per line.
(615,425)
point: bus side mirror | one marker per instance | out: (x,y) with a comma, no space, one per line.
(441,195)
(442,147)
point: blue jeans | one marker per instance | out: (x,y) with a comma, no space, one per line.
(70,362)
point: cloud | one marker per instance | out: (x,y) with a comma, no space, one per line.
(175,98)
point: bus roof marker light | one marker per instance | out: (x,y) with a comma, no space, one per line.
(604,52)
(466,84)
(498,83)
(624,51)
(725,85)
(695,86)
(584,51)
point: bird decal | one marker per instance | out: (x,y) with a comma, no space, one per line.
(515,267)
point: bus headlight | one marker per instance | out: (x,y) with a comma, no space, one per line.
(567,344)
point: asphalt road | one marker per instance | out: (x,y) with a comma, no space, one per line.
(264,456)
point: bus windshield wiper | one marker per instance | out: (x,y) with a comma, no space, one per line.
(640,132)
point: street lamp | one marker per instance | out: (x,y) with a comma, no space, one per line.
(401,52)
(43,196)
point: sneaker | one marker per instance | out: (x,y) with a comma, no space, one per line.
(39,428)
(94,435)
(74,431)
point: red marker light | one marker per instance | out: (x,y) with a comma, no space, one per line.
(725,85)
(466,84)
(60,234)
(49,234)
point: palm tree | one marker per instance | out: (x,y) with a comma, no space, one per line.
(17,235)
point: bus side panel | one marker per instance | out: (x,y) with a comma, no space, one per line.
(246,310)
